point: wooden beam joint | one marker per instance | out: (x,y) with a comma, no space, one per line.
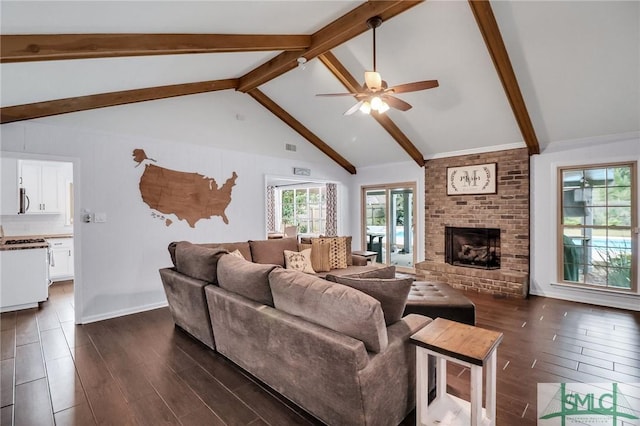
(288,119)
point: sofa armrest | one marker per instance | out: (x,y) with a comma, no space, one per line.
(359,260)
(188,305)
(407,326)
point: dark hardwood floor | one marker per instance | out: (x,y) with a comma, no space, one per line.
(140,369)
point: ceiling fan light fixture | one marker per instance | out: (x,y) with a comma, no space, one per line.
(376,103)
(365,108)
(383,108)
(373,80)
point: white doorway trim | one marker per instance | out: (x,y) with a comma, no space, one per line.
(77,229)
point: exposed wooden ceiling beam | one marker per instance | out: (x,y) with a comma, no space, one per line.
(83,103)
(337,32)
(352,85)
(46,47)
(495,44)
(283,115)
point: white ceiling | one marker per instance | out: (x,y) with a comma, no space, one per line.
(577,62)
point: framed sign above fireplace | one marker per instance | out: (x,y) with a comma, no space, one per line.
(478,179)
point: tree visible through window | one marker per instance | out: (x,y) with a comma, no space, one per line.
(598,224)
(304,208)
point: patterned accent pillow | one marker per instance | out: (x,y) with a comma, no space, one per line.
(299,261)
(337,252)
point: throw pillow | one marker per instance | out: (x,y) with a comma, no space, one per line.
(333,306)
(319,254)
(245,278)
(299,261)
(338,251)
(237,254)
(392,293)
(347,241)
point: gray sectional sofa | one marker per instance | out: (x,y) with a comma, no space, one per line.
(339,353)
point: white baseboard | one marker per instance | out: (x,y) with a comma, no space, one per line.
(19,307)
(122,312)
(592,297)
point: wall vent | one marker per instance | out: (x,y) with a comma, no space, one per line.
(290,147)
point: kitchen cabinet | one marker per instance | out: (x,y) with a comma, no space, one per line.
(61,259)
(41,180)
(10,201)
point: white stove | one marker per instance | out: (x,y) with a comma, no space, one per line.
(25,273)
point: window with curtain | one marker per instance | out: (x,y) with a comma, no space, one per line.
(305,208)
(598,226)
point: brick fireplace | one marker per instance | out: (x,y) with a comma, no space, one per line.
(506,210)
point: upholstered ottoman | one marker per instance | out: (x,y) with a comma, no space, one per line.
(434,299)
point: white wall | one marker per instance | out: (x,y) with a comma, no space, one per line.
(117,262)
(407,171)
(544,213)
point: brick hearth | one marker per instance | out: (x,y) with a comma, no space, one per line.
(507,210)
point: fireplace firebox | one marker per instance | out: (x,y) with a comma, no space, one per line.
(472,247)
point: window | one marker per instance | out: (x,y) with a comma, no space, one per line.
(303,207)
(598,226)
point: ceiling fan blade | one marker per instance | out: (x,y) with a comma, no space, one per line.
(354,108)
(396,103)
(414,87)
(336,94)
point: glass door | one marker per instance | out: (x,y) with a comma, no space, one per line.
(389,224)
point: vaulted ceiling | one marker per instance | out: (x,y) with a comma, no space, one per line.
(511,73)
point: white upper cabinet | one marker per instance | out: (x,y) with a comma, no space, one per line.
(42,181)
(10,199)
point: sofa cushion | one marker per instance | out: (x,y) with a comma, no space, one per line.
(299,261)
(334,306)
(245,278)
(390,292)
(319,254)
(272,251)
(243,246)
(197,262)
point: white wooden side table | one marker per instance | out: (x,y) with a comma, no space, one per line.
(470,346)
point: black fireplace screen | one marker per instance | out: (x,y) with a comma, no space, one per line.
(472,247)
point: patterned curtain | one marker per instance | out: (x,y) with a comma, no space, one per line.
(331,227)
(271,208)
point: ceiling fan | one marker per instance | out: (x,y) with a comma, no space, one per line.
(375,94)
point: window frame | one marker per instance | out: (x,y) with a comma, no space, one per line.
(308,222)
(633,227)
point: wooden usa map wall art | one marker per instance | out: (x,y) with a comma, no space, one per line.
(188,196)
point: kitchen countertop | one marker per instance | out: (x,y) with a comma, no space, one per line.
(45,236)
(6,247)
